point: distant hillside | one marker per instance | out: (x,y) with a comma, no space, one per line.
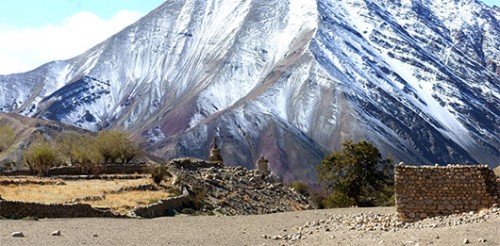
(25,129)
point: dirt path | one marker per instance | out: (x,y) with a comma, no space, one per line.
(239,230)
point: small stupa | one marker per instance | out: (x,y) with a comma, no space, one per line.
(262,166)
(215,154)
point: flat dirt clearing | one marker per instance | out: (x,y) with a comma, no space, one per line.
(236,230)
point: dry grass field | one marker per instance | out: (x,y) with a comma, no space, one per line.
(44,190)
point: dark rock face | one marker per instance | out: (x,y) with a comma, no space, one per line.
(77,94)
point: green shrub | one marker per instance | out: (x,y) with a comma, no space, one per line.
(116,146)
(318,200)
(339,200)
(173,192)
(188,211)
(300,187)
(153,200)
(159,173)
(356,173)
(80,150)
(40,157)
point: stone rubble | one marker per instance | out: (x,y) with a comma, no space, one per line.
(335,223)
(237,190)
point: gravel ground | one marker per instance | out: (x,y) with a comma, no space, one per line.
(350,226)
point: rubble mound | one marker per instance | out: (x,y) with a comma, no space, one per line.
(235,190)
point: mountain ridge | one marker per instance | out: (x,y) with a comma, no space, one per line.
(287,79)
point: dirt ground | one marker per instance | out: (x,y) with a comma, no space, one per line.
(235,230)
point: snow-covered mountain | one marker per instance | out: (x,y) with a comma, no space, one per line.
(290,79)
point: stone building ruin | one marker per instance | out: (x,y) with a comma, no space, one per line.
(215,155)
(262,166)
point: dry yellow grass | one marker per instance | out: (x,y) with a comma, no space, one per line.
(51,193)
(125,201)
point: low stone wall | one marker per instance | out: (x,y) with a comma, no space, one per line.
(164,207)
(102,169)
(193,164)
(428,191)
(19,210)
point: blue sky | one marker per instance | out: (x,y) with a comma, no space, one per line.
(33,32)
(38,13)
(492,2)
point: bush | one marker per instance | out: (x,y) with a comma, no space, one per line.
(338,200)
(116,146)
(300,187)
(81,150)
(40,157)
(318,200)
(188,211)
(357,175)
(159,173)
(66,145)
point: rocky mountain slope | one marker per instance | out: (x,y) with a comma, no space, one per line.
(289,79)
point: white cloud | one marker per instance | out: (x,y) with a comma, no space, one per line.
(26,49)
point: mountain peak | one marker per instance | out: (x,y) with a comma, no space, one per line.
(288,79)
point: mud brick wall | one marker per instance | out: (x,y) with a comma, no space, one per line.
(428,191)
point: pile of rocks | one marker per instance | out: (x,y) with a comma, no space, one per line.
(87,199)
(239,191)
(379,222)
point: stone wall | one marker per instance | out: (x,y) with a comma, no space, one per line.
(428,191)
(164,207)
(19,210)
(193,163)
(102,169)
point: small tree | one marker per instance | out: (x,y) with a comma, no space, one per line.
(6,137)
(40,157)
(67,143)
(158,173)
(81,150)
(357,175)
(115,145)
(300,187)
